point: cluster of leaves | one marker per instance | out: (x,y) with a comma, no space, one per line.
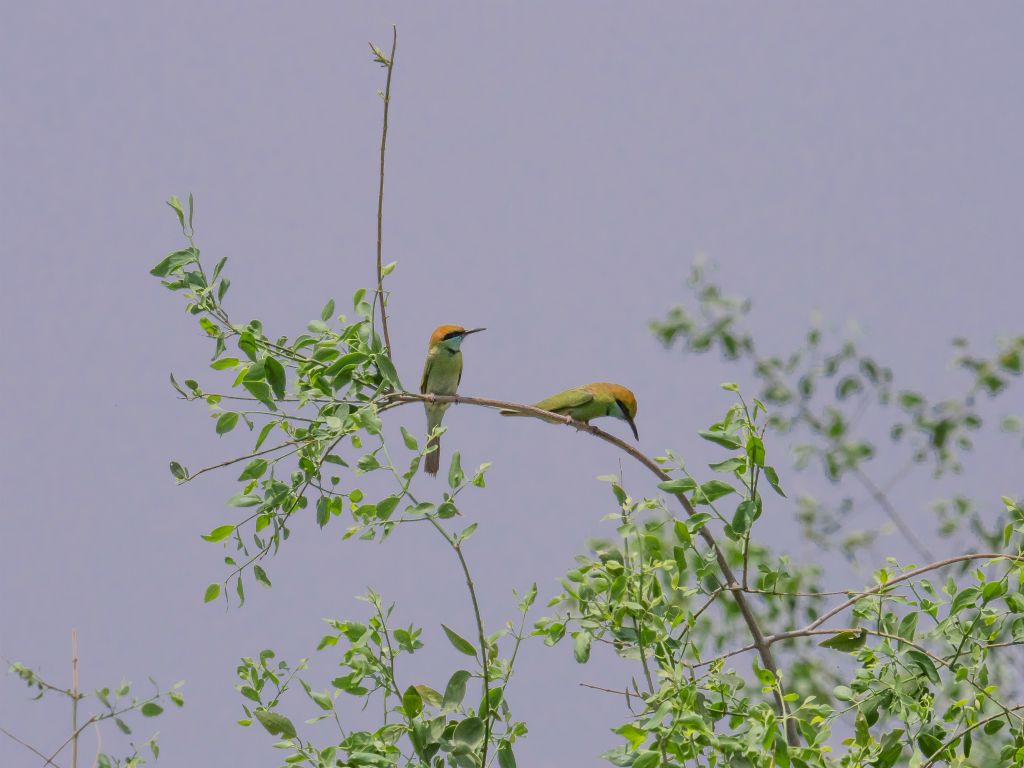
(420,727)
(324,392)
(319,393)
(922,669)
(117,704)
(822,394)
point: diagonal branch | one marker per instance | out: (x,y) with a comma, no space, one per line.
(28,746)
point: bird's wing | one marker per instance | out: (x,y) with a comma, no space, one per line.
(426,373)
(563,401)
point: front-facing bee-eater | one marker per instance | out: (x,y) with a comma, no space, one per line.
(441,376)
(591,401)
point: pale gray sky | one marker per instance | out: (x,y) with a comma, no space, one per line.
(552,171)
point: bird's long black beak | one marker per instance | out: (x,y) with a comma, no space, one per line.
(628,418)
(472,330)
(632,425)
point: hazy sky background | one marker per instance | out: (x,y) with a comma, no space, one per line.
(552,171)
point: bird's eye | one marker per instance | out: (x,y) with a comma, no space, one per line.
(451,335)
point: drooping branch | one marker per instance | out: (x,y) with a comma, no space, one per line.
(731,584)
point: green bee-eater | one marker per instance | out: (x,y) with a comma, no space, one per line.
(591,401)
(441,376)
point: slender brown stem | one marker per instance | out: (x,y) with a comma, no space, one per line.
(911,575)
(29,747)
(484,660)
(74,698)
(380,195)
(937,755)
(731,585)
(883,501)
(229,462)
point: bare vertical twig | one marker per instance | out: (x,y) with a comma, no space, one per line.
(74,698)
(390,64)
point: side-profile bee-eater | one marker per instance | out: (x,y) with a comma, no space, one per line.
(441,376)
(591,401)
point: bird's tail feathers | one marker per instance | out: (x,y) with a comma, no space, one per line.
(433,459)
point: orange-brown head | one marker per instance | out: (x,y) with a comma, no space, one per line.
(451,335)
(621,402)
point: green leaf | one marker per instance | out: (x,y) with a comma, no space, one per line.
(847,642)
(275,376)
(410,442)
(244,500)
(151,709)
(993,590)
(263,433)
(455,474)
(226,422)
(581,646)
(843,693)
(744,517)
(175,203)
(261,391)
(729,465)
(327,311)
(219,533)
(773,479)
(469,732)
(505,757)
(212,593)
(635,736)
(679,485)
(755,450)
(929,744)
(224,362)
(386,506)
(276,725)
(460,643)
(429,696)
(179,472)
(721,438)
(324,701)
(966,598)
(924,663)
(387,370)
(455,691)
(695,522)
(647,759)
(412,702)
(247,343)
(261,575)
(712,490)
(174,262)
(254,470)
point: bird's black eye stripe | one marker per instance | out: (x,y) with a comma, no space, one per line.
(451,335)
(622,406)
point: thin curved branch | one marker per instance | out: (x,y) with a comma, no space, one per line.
(953,739)
(910,575)
(29,747)
(731,585)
